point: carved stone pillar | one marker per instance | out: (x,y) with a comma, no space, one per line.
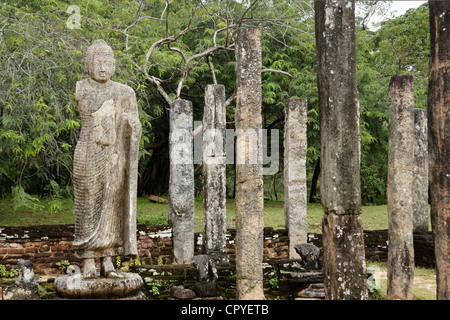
(249,182)
(181,183)
(214,173)
(295,190)
(342,231)
(400,188)
(439,141)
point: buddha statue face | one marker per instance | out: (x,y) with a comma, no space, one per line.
(99,62)
(102,68)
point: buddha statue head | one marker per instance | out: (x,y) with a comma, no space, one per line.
(99,61)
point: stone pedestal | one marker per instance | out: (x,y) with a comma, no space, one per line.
(73,286)
(26,286)
(206,284)
(22,291)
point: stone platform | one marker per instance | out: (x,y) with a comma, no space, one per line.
(75,287)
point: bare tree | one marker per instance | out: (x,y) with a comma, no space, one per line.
(226,22)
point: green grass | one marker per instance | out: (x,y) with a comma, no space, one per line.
(424,282)
(373,217)
(25,217)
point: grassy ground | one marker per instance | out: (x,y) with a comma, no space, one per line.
(374,217)
(424,281)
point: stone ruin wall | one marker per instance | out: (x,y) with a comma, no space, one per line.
(48,244)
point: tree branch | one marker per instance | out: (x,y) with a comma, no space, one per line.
(211,67)
(230,99)
(189,60)
(245,13)
(166,41)
(156,83)
(278,71)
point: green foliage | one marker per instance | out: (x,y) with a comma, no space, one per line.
(135,262)
(399,46)
(46,291)
(41,60)
(153,288)
(21,199)
(126,267)
(153,220)
(377,294)
(60,199)
(403,47)
(12,273)
(38,124)
(63,265)
(374,182)
(273,282)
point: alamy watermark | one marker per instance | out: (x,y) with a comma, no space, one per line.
(74,21)
(209,146)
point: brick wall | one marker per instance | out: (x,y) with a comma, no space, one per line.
(47,245)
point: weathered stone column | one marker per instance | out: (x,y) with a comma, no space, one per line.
(214,173)
(249,183)
(439,141)
(342,231)
(420,184)
(295,191)
(181,184)
(400,266)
